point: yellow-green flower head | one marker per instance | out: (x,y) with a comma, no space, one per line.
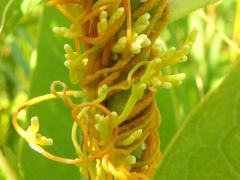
(103,22)
(138,41)
(141,23)
(33,137)
(76,64)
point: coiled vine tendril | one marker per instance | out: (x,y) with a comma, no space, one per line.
(120,68)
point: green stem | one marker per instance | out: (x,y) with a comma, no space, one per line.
(180,8)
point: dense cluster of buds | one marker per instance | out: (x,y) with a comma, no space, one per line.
(117,60)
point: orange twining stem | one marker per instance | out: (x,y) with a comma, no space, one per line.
(86,138)
(153,143)
(65,160)
(77,45)
(127,6)
(110,32)
(137,121)
(93,27)
(33,102)
(145,7)
(102,108)
(65,98)
(163,23)
(109,80)
(134,175)
(75,112)
(93,14)
(63,2)
(153,37)
(106,55)
(67,14)
(89,5)
(130,150)
(100,3)
(141,105)
(146,131)
(101,152)
(79,107)
(94,143)
(156,17)
(121,63)
(36,147)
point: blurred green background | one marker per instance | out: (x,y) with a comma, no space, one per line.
(26,49)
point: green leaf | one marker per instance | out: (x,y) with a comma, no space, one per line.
(55,117)
(207,146)
(168,126)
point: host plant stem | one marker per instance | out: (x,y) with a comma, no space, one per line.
(178,8)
